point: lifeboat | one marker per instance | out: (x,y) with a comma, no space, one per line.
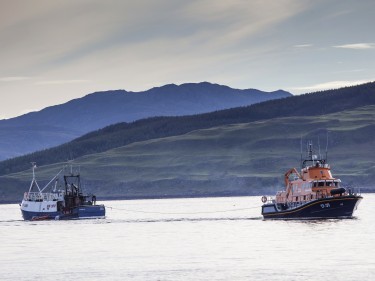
(312,193)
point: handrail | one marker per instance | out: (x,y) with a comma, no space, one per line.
(39,196)
(312,196)
(353,191)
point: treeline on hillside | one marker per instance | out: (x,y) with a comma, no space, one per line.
(121,134)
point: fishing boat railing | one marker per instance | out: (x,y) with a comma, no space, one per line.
(38,196)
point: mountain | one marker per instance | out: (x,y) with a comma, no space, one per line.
(61,123)
(230,152)
(238,159)
(121,134)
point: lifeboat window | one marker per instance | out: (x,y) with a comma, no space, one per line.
(296,198)
(321,183)
(336,183)
(315,184)
(304,197)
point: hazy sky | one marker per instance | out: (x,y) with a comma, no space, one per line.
(54,51)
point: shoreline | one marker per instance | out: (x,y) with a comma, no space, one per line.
(129,198)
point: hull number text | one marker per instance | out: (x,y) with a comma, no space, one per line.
(326,205)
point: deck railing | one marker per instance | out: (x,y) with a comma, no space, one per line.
(353,191)
(38,196)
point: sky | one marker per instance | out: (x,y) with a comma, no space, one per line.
(55,51)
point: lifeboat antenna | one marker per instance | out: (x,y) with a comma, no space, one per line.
(309,147)
(310,151)
(320,155)
(327,148)
(301,152)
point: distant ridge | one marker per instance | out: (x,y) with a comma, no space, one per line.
(61,123)
(314,104)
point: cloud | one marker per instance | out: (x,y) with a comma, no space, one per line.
(62,82)
(13,78)
(303,46)
(350,71)
(328,85)
(60,34)
(140,44)
(357,46)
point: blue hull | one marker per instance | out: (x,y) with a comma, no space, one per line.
(81,212)
(334,207)
(91,211)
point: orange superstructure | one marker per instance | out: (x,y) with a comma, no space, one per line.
(314,181)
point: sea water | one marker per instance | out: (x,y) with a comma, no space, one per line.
(188,239)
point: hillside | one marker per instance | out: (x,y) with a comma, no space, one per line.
(61,123)
(238,159)
(314,104)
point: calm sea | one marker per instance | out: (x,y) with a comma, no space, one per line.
(188,239)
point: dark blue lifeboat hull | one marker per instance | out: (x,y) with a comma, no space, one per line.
(331,207)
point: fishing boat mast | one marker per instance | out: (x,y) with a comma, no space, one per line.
(33,181)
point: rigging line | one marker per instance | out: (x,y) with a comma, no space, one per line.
(191,213)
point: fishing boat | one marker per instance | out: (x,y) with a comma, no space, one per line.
(56,204)
(311,194)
